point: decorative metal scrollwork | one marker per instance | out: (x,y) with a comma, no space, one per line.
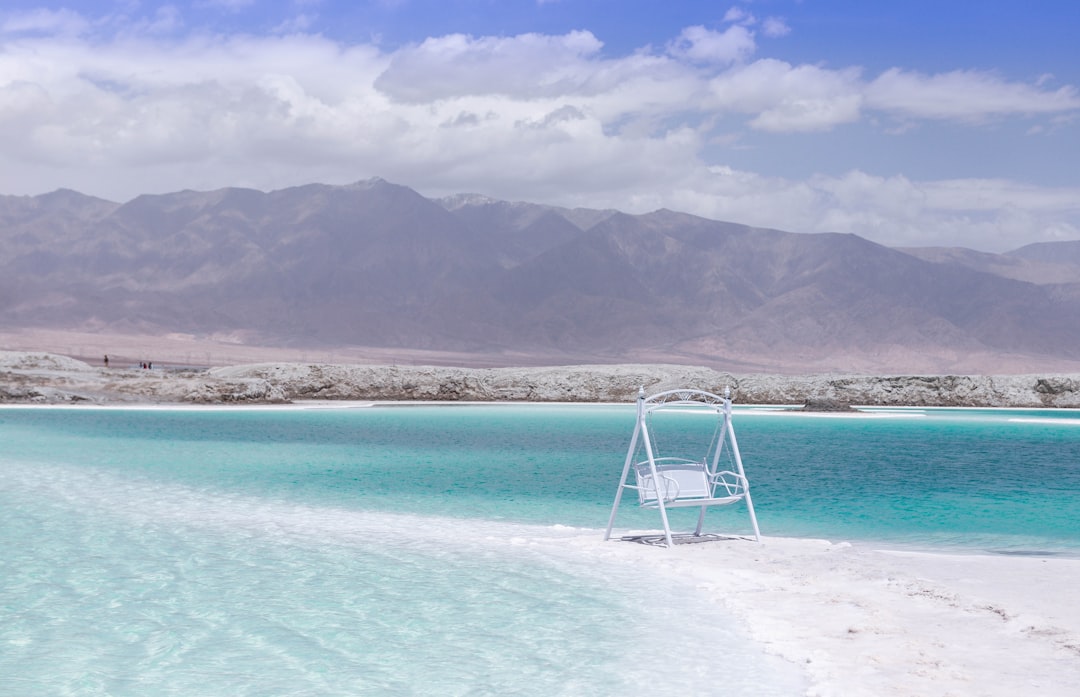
(685,397)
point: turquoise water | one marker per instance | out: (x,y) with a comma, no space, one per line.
(427,549)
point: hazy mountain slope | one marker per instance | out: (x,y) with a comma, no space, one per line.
(517,215)
(663,278)
(1066,252)
(1048,269)
(358,264)
(521,230)
(377,264)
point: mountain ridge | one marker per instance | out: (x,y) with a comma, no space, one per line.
(378,264)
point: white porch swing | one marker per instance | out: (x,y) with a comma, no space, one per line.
(675,481)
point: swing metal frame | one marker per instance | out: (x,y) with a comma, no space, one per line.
(676,482)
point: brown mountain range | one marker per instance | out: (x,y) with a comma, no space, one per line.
(378,265)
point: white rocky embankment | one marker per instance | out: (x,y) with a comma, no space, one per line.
(47,378)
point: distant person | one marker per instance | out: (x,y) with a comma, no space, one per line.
(106,360)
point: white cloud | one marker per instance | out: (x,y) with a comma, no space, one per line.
(785,98)
(295,25)
(964,95)
(523,66)
(164,21)
(701,45)
(533,117)
(229,5)
(44,21)
(989,214)
(774,27)
(738,15)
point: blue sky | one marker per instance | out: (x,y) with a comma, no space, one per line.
(908,123)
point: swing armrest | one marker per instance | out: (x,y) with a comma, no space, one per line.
(670,484)
(731,482)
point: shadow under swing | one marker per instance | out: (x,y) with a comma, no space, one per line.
(688,474)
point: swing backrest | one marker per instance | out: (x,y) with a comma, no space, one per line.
(679,479)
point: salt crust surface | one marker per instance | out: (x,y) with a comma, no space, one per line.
(872,622)
(27,377)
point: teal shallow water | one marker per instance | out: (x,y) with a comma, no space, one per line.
(372,551)
(324,553)
(975,478)
(126,586)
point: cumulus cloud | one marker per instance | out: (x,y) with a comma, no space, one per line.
(771,26)
(964,95)
(737,15)
(988,214)
(701,45)
(44,21)
(230,5)
(775,27)
(524,66)
(294,25)
(549,118)
(781,97)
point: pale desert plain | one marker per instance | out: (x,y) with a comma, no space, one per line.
(857,619)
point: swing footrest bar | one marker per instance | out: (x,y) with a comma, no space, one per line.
(688,503)
(684,538)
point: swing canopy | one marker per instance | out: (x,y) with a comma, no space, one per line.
(696,474)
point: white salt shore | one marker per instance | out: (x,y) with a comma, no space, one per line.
(863,621)
(36,377)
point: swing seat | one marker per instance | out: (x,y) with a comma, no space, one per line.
(685,483)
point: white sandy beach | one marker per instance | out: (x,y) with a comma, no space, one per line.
(865,621)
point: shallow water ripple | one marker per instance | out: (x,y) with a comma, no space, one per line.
(127,586)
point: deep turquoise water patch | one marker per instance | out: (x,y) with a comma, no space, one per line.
(982,478)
